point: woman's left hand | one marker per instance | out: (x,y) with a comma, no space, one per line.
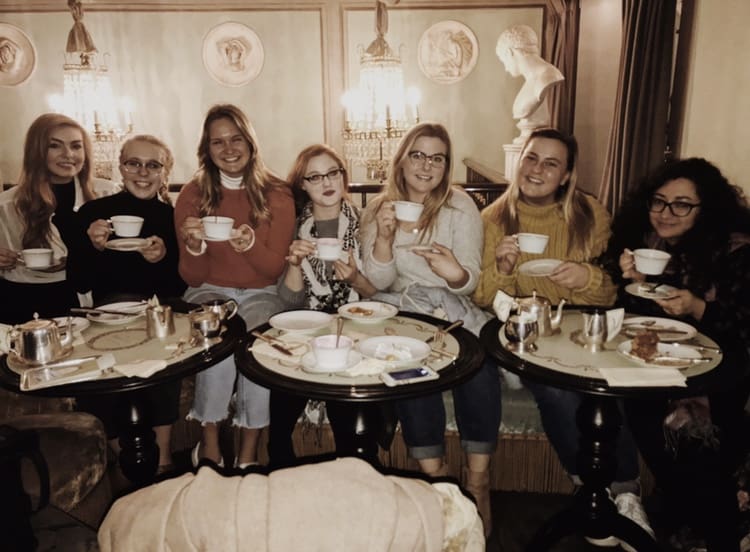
(570,275)
(346,271)
(443,262)
(244,239)
(155,250)
(683,303)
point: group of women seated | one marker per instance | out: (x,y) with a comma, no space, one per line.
(686,208)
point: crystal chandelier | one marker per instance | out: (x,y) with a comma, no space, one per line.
(88,97)
(378,112)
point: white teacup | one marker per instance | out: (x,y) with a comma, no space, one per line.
(532,243)
(126,226)
(329,249)
(327,355)
(408,211)
(218,228)
(37,258)
(651,261)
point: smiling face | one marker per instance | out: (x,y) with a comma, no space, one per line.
(542,170)
(227,147)
(668,226)
(145,182)
(65,154)
(421,177)
(329,191)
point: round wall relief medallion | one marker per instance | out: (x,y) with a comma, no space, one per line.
(17,55)
(233,54)
(447,52)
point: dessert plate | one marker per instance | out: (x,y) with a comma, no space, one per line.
(397,350)
(126,244)
(300,321)
(539,268)
(309,364)
(368,311)
(78,323)
(662,292)
(669,356)
(131,310)
(666,328)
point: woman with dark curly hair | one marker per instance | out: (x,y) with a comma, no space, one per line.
(689,209)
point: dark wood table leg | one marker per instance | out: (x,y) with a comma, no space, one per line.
(355,427)
(139,454)
(592,513)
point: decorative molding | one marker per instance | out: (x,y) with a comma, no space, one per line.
(17,55)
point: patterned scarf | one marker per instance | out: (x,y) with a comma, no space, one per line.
(323,292)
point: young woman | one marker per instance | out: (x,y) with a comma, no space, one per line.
(145,163)
(319,178)
(39,212)
(543,199)
(689,209)
(232,181)
(440,277)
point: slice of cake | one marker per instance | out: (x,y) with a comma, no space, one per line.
(645,345)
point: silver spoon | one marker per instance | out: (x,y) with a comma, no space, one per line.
(339,328)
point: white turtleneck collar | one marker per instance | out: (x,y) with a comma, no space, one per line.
(231,182)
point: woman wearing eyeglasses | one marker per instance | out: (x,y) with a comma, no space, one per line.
(690,210)
(320,182)
(99,266)
(432,266)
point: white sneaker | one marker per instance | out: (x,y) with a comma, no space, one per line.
(196,458)
(630,506)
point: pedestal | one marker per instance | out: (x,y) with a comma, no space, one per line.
(512,151)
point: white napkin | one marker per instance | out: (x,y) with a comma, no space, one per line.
(5,337)
(140,369)
(502,305)
(644,377)
(296,343)
(367,367)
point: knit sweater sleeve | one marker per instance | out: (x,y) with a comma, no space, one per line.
(193,269)
(467,237)
(381,275)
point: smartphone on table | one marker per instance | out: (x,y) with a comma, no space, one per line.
(408,375)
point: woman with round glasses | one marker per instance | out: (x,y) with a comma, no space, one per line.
(232,181)
(320,182)
(135,272)
(690,210)
(39,212)
(432,266)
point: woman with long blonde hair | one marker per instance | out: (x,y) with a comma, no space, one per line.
(39,212)
(232,181)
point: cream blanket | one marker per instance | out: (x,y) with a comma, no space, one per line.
(340,505)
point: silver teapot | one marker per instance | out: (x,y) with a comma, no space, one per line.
(39,341)
(534,305)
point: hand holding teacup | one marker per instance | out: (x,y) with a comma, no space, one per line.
(506,254)
(8,259)
(191,231)
(98,232)
(346,271)
(298,250)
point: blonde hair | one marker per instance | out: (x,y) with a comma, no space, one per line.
(396,187)
(168,160)
(572,204)
(35,202)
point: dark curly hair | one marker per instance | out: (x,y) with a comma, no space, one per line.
(723,211)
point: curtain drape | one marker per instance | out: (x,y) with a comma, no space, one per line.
(560,49)
(638,135)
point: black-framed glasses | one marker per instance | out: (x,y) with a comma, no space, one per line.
(677,208)
(331,175)
(418,158)
(135,166)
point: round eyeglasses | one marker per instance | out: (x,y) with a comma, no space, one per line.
(419,158)
(135,166)
(677,208)
(334,174)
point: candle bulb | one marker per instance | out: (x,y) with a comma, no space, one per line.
(96,117)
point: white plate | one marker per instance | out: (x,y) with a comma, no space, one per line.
(126,244)
(383,346)
(138,308)
(56,266)
(674,356)
(301,321)
(539,268)
(234,234)
(662,292)
(79,323)
(310,365)
(368,311)
(662,327)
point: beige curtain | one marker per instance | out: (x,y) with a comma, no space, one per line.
(638,136)
(560,49)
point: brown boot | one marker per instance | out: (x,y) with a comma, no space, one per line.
(478,484)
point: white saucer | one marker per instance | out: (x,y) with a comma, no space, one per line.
(56,266)
(300,321)
(138,308)
(379,348)
(539,268)
(78,323)
(126,244)
(368,311)
(670,356)
(662,326)
(662,292)
(310,365)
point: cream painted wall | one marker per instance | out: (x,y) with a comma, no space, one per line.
(717,109)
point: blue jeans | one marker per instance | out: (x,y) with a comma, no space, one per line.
(558,411)
(477,406)
(214,386)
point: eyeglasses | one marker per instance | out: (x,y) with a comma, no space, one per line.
(418,158)
(331,175)
(677,208)
(135,166)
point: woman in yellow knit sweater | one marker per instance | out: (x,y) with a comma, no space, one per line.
(543,199)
